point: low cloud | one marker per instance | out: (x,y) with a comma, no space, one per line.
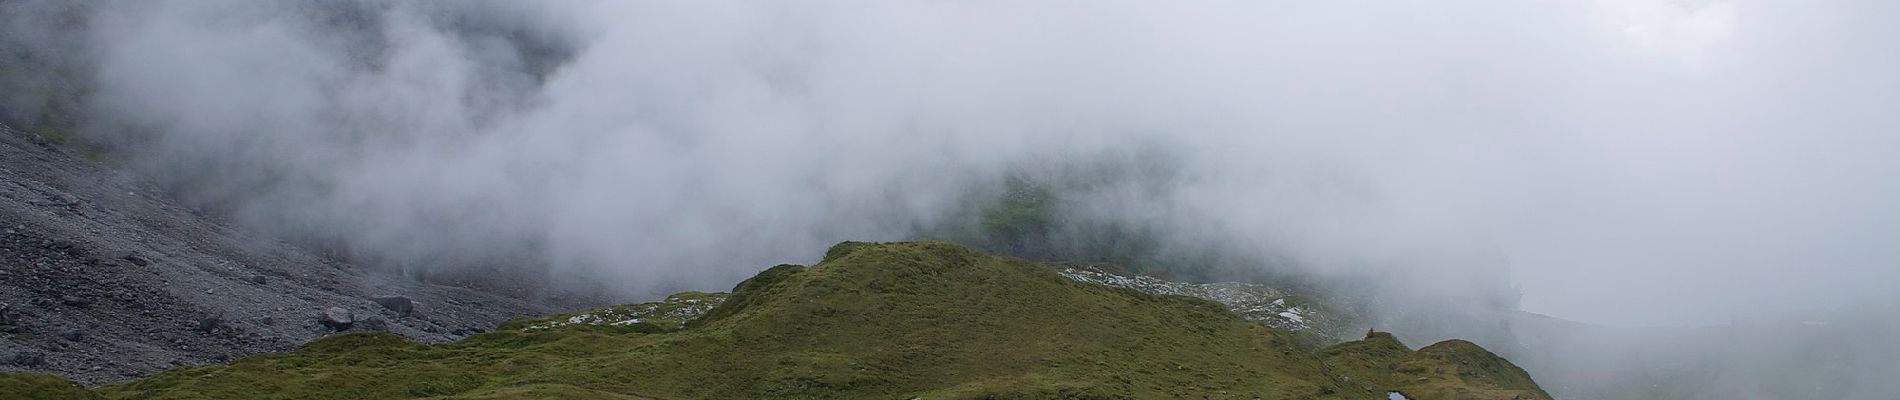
(1622,162)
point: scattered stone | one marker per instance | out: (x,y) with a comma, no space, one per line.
(58,245)
(27,358)
(338,318)
(375,323)
(209,324)
(73,334)
(74,301)
(401,305)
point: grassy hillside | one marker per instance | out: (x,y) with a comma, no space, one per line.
(1448,370)
(926,320)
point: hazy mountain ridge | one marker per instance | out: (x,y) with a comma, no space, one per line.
(928,320)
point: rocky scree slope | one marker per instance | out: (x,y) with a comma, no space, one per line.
(929,320)
(104,279)
(1274,307)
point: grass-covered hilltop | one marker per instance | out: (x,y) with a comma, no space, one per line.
(929,320)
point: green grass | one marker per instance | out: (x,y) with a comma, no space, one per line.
(1452,369)
(872,321)
(17,386)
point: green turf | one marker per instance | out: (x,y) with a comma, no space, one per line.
(17,386)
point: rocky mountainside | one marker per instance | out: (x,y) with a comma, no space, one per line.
(104,279)
(1256,302)
(929,320)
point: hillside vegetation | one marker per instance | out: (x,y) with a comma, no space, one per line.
(929,320)
(1452,369)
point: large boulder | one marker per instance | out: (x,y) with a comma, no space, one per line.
(401,305)
(337,318)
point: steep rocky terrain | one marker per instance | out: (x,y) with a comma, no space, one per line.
(103,279)
(929,320)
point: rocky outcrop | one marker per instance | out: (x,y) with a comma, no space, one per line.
(337,318)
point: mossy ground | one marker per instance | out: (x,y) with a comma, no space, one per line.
(42,387)
(873,321)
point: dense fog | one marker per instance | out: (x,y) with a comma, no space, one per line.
(1713,172)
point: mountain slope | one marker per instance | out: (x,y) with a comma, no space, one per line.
(104,278)
(906,320)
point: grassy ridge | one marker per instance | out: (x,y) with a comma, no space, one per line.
(872,321)
(1452,369)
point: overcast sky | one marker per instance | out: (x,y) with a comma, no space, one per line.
(1636,162)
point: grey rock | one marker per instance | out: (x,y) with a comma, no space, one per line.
(337,318)
(208,324)
(73,334)
(74,301)
(401,305)
(136,259)
(258,279)
(374,323)
(27,358)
